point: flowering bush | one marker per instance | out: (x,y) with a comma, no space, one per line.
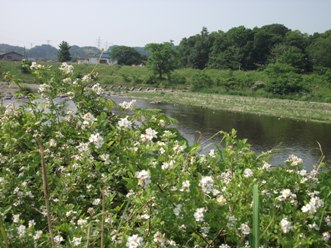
(73,174)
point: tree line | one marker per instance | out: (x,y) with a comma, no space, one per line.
(250,49)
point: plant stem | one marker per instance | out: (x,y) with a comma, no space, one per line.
(102,218)
(46,193)
(256,238)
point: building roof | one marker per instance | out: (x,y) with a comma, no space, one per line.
(3,54)
(104,56)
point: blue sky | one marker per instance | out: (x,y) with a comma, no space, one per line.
(138,22)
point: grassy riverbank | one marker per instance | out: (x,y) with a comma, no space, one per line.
(307,111)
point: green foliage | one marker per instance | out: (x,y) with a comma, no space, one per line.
(64,53)
(126,55)
(130,180)
(283,80)
(25,66)
(163,59)
(201,80)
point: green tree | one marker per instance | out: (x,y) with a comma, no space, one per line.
(64,53)
(163,58)
(320,50)
(194,51)
(126,55)
(290,55)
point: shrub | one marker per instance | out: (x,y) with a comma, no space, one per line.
(25,66)
(201,80)
(283,80)
(74,174)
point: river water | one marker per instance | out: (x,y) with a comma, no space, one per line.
(264,133)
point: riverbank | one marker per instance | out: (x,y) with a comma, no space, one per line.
(299,110)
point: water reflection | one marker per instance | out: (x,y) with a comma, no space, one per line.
(264,133)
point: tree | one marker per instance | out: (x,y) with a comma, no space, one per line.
(163,58)
(287,54)
(63,54)
(320,50)
(126,55)
(194,51)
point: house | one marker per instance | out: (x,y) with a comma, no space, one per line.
(11,56)
(98,59)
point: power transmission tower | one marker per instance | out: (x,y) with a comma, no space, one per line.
(99,42)
(48,42)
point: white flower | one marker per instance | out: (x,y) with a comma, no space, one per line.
(302,173)
(88,119)
(97,89)
(105,158)
(286,193)
(52,143)
(43,87)
(232,221)
(221,200)
(148,135)
(32,223)
(199,214)
(314,203)
(207,184)
(294,160)
(313,226)
(177,209)
(70,213)
(212,153)
(326,236)
(87,78)
(96,202)
(58,239)
(128,105)
(82,222)
(35,66)
(67,80)
(96,139)
(145,217)
(245,229)
(37,235)
(224,246)
(168,165)
(162,123)
(160,239)
(185,186)
(286,225)
(76,241)
(66,69)
(16,218)
(21,230)
(134,241)
(248,172)
(144,178)
(124,123)
(266,165)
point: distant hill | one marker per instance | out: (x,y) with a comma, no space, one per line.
(48,52)
(140,50)
(43,52)
(4,48)
(83,52)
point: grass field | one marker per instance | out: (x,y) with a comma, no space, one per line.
(301,110)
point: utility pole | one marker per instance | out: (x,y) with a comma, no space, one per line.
(48,41)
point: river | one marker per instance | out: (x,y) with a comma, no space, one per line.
(264,133)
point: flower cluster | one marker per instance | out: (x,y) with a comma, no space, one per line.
(122,176)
